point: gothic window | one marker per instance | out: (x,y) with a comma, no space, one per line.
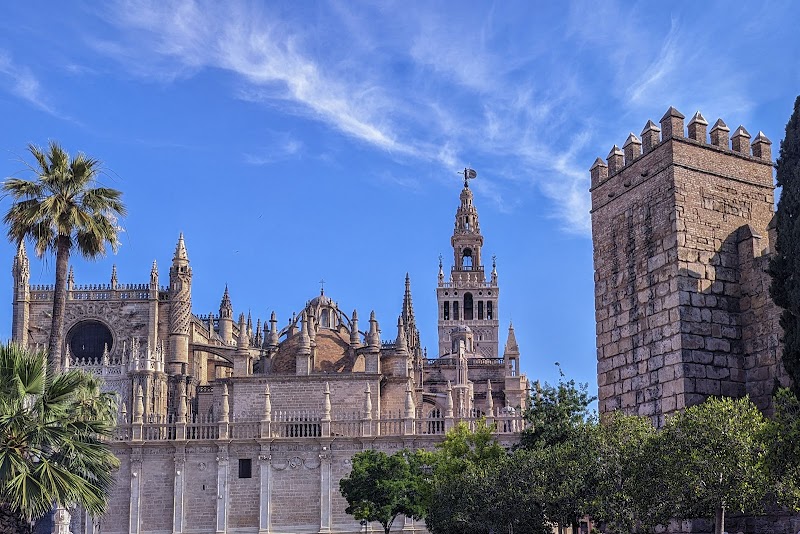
(466,259)
(480,309)
(324,320)
(455,310)
(466,223)
(88,339)
(468,306)
(489,310)
(446,311)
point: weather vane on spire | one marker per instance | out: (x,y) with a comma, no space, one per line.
(469,174)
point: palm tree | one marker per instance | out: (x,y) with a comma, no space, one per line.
(61,211)
(53,438)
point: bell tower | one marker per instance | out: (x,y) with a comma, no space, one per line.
(468,299)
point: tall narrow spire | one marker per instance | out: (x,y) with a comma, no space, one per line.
(225,307)
(70,278)
(114,280)
(180,250)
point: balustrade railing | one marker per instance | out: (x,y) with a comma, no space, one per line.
(305,424)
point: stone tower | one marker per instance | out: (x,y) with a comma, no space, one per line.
(180,309)
(20,309)
(468,299)
(680,231)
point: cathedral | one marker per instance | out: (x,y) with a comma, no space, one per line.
(230,426)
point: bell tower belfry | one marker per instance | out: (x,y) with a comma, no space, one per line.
(468,299)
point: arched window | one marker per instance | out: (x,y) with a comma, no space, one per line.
(468,306)
(325,319)
(446,311)
(466,259)
(455,310)
(489,310)
(480,309)
(88,339)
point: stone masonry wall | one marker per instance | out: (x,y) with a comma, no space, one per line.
(196,486)
(676,303)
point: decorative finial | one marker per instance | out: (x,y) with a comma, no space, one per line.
(469,174)
(322,287)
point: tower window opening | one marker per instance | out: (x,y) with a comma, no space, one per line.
(446,311)
(324,319)
(468,306)
(480,310)
(466,259)
(455,310)
(466,223)
(489,310)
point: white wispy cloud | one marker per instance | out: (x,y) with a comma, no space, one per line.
(21,82)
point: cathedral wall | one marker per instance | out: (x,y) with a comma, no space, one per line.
(200,474)
(301,393)
(157,482)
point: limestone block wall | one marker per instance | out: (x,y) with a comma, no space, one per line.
(198,487)
(298,393)
(670,278)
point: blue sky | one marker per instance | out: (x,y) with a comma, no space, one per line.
(297,141)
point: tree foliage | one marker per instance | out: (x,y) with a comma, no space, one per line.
(52,432)
(556,414)
(380,487)
(715,457)
(782,439)
(785,264)
(62,210)
(629,491)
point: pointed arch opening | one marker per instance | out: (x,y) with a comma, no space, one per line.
(468,306)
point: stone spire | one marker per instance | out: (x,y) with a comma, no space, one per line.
(21,272)
(449,406)
(180,308)
(71,278)
(441,271)
(273,339)
(408,305)
(304,346)
(180,251)
(511,353)
(154,276)
(243,341)
(494,270)
(355,339)
(225,306)
(226,318)
(374,336)
(114,280)
(410,407)
(400,343)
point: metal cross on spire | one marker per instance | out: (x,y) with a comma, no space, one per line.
(322,287)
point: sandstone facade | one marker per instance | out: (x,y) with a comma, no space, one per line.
(227,426)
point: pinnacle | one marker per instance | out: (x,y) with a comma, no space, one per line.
(180,249)
(720,125)
(762,138)
(599,163)
(632,139)
(650,127)
(672,112)
(698,119)
(741,131)
(615,151)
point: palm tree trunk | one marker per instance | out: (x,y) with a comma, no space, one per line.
(59,304)
(719,522)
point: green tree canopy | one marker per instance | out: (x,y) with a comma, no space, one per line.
(629,491)
(556,413)
(782,439)
(62,210)
(785,264)
(52,432)
(380,487)
(714,458)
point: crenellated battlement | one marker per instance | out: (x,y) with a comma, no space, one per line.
(672,128)
(680,295)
